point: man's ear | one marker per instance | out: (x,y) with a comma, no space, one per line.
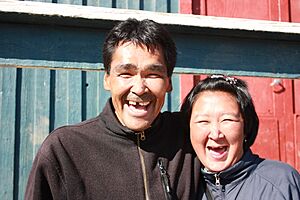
(170,87)
(106,81)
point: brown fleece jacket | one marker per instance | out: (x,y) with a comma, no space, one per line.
(101,159)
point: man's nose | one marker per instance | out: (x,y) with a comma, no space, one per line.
(138,85)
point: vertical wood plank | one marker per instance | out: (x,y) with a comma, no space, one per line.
(185,6)
(136,5)
(161,6)
(172,99)
(74,2)
(104,95)
(297,141)
(295,10)
(149,5)
(34,120)
(187,82)
(7,131)
(68,99)
(95,97)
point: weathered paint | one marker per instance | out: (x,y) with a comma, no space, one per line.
(52,73)
(276,105)
(7,131)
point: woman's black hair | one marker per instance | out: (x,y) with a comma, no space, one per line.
(146,32)
(237,88)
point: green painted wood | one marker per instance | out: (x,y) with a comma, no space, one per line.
(73,2)
(76,48)
(68,97)
(96,96)
(128,4)
(34,121)
(100,3)
(32,44)
(237,55)
(172,99)
(7,131)
(64,81)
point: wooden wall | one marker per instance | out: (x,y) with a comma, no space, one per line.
(277,104)
(51,69)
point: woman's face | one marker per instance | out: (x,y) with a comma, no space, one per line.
(216,127)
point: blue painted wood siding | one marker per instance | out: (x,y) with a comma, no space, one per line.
(51,75)
(34,101)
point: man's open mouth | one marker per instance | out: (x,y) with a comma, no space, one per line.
(138,107)
(138,104)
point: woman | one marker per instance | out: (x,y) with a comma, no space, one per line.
(223,126)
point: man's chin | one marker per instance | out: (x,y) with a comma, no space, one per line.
(138,126)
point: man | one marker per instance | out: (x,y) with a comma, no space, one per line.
(131,150)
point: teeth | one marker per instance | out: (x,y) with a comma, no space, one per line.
(138,103)
(132,103)
(144,103)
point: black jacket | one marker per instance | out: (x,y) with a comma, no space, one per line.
(254,178)
(101,159)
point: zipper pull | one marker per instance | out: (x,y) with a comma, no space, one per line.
(217,180)
(165,179)
(142,136)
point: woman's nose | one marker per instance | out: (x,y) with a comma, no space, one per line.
(215,132)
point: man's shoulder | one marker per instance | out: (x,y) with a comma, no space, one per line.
(89,123)
(173,115)
(68,133)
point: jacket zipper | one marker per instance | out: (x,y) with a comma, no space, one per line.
(141,137)
(218,183)
(217,179)
(165,180)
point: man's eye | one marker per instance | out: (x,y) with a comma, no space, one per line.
(154,76)
(125,75)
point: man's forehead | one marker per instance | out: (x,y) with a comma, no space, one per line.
(150,47)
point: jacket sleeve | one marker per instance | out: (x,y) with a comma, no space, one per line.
(287,183)
(44,181)
(293,188)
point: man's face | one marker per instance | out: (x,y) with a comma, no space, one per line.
(138,83)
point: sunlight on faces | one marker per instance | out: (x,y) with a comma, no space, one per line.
(216,127)
(138,83)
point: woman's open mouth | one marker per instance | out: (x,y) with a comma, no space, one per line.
(218,152)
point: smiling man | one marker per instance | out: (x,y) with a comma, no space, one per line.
(131,150)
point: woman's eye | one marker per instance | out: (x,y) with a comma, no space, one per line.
(229,120)
(202,122)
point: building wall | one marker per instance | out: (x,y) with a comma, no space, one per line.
(277,105)
(50,76)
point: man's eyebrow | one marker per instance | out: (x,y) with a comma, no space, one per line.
(157,67)
(127,66)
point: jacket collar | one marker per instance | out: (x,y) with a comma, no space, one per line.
(235,173)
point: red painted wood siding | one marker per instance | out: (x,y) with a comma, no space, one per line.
(277,106)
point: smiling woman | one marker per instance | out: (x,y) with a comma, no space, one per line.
(223,126)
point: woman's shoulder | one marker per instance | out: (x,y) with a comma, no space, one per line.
(277,172)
